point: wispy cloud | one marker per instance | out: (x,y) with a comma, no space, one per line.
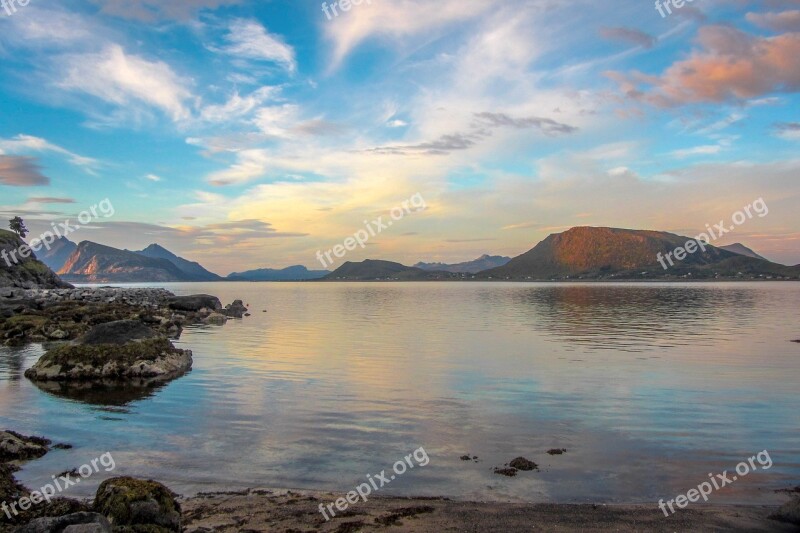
(248,39)
(125,81)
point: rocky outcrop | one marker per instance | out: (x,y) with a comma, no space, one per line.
(789,512)
(195,303)
(16,447)
(235,310)
(115,350)
(39,315)
(72,523)
(138,504)
(23,272)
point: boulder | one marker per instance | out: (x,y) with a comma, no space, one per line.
(16,447)
(789,512)
(138,504)
(72,523)
(117,333)
(216,319)
(194,303)
(236,310)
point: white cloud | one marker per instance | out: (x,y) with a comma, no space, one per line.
(28,143)
(248,39)
(126,80)
(153,177)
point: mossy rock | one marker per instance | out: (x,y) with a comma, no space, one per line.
(141,506)
(155,357)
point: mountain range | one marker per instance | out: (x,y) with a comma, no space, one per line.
(579,253)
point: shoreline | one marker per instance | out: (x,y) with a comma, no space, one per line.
(298,510)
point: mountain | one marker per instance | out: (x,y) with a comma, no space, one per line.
(28,273)
(192,271)
(741,249)
(372,270)
(485,262)
(293,273)
(57,255)
(95,263)
(610,253)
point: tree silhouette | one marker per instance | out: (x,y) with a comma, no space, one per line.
(18,226)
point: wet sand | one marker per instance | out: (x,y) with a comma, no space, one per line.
(283,511)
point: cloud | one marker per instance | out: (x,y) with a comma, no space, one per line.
(27,143)
(153,177)
(126,80)
(396,20)
(481,129)
(248,39)
(786,21)
(20,171)
(238,106)
(156,10)
(711,149)
(50,200)
(730,65)
(629,35)
(547,126)
(788,130)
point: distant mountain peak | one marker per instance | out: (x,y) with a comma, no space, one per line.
(484,262)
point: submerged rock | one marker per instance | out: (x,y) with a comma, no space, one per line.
(520,463)
(71,523)
(138,504)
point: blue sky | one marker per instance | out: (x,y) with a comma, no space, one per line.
(248,134)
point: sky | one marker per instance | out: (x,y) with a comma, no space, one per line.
(250,134)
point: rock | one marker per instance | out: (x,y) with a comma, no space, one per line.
(195,303)
(117,333)
(508,472)
(151,358)
(58,335)
(236,310)
(16,447)
(789,512)
(133,502)
(71,523)
(557,451)
(520,463)
(217,319)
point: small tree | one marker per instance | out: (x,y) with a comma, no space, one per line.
(18,226)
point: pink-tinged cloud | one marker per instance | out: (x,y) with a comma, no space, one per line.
(730,65)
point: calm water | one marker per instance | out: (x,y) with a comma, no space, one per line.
(649,387)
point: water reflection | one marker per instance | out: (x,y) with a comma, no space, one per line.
(106,393)
(636,319)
